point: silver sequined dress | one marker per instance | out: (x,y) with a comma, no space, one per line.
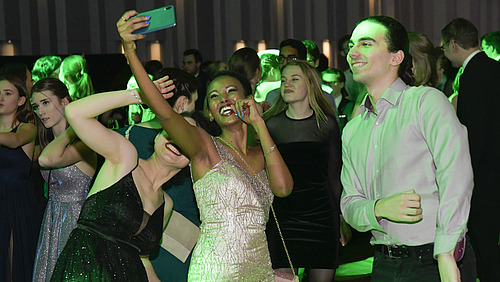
(234,210)
(68,189)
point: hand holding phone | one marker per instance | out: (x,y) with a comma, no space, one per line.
(159,19)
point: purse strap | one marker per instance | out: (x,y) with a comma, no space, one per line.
(270,202)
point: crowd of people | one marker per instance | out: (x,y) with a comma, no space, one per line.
(254,167)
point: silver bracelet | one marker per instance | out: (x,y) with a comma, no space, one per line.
(134,93)
(270,150)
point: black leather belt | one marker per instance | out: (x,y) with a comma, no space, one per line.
(406,251)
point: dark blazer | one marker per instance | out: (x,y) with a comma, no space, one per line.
(478,104)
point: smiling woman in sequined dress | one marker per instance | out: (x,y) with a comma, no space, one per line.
(68,166)
(234,183)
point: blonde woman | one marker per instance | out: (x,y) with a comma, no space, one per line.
(304,126)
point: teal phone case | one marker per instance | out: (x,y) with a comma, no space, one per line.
(159,19)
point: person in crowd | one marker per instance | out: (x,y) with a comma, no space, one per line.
(246,61)
(343,50)
(490,44)
(230,183)
(313,53)
(270,78)
(215,67)
(68,166)
(123,217)
(477,93)
(423,59)
(445,72)
(335,79)
(309,218)
(180,187)
(19,70)
(46,66)
(192,63)
(19,217)
(406,172)
(74,74)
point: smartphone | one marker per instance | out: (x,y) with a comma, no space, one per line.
(159,19)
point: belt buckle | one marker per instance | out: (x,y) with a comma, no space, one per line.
(400,253)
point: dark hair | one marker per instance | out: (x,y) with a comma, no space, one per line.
(185,83)
(341,41)
(312,49)
(299,46)
(16,69)
(195,53)
(397,39)
(24,113)
(492,39)
(153,66)
(462,31)
(244,61)
(341,77)
(59,89)
(424,59)
(215,67)
(46,66)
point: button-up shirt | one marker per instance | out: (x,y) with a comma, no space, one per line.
(414,142)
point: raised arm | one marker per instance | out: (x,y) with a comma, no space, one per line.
(25,134)
(190,139)
(64,150)
(280,179)
(111,145)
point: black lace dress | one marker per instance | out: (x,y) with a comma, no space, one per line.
(309,217)
(113,231)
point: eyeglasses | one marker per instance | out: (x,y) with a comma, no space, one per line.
(289,58)
(442,46)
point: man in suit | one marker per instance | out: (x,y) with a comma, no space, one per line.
(478,95)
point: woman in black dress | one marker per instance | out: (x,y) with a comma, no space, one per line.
(123,217)
(304,126)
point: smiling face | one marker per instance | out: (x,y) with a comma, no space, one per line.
(168,151)
(49,109)
(369,57)
(293,85)
(9,98)
(221,94)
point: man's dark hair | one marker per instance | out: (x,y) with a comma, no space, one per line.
(397,39)
(312,49)
(195,53)
(185,83)
(462,31)
(299,46)
(492,39)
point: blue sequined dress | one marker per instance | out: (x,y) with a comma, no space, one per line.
(113,231)
(68,188)
(234,208)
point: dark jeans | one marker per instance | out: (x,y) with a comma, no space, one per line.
(424,268)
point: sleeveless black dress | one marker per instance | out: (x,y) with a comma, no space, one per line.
(309,216)
(113,231)
(19,216)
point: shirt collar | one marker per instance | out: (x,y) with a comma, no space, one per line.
(391,95)
(469,58)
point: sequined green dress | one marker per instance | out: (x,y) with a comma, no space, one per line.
(234,209)
(113,231)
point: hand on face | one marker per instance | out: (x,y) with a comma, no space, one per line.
(246,110)
(126,25)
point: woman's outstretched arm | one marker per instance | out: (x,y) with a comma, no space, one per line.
(189,138)
(25,134)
